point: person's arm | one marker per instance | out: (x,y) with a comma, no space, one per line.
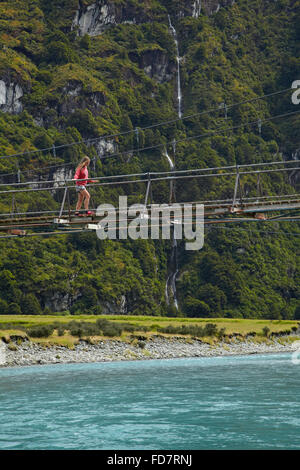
(92,181)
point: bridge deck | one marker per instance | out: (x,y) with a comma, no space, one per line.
(213,213)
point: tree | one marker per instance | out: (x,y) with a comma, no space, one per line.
(3,307)
(8,287)
(297,313)
(84,121)
(89,297)
(14,309)
(196,308)
(59,53)
(30,305)
(85,42)
(213,297)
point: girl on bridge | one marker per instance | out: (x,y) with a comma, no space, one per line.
(81,175)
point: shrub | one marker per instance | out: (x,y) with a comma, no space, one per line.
(143,328)
(168,329)
(251,333)
(77,331)
(90,329)
(82,328)
(65,313)
(59,53)
(266,331)
(221,333)
(112,330)
(210,329)
(102,323)
(126,327)
(42,331)
(193,330)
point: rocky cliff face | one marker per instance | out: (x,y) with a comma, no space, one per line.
(95,18)
(212,6)
(59,302)
(74,97)
(104,147)
(156,64)
(10,95)
(196,7)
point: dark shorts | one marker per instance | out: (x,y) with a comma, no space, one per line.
(80,188)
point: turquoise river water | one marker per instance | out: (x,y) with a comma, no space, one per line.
(242,402)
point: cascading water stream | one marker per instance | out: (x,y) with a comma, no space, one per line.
(179,94)
(171,280)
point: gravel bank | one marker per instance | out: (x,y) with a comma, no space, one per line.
(156,348)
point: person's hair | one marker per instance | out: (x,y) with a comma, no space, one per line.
(83,161)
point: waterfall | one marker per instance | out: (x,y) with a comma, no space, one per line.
(173,266)
(171,280)
(169,160)
(179,94)
(174,260)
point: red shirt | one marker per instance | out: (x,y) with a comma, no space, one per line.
(82,174)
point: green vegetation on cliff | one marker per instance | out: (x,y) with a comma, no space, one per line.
(80,86)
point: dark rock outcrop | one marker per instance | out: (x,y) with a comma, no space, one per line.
(75,97)
(156,64)
(10,96)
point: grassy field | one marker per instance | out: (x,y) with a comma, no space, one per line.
(232,325)
(21,326)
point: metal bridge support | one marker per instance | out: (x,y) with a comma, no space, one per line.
(258,187)
(237,178)
(69,205)
(237,188)
(63,202)
(240,192)
(147,190)
(14,208)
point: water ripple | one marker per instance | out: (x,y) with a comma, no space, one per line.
(246,402)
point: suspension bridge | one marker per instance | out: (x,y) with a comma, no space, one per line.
(245,198)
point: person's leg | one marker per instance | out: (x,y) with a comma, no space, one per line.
(87,197)
(79,202)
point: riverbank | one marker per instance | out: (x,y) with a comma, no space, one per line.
(157,347)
